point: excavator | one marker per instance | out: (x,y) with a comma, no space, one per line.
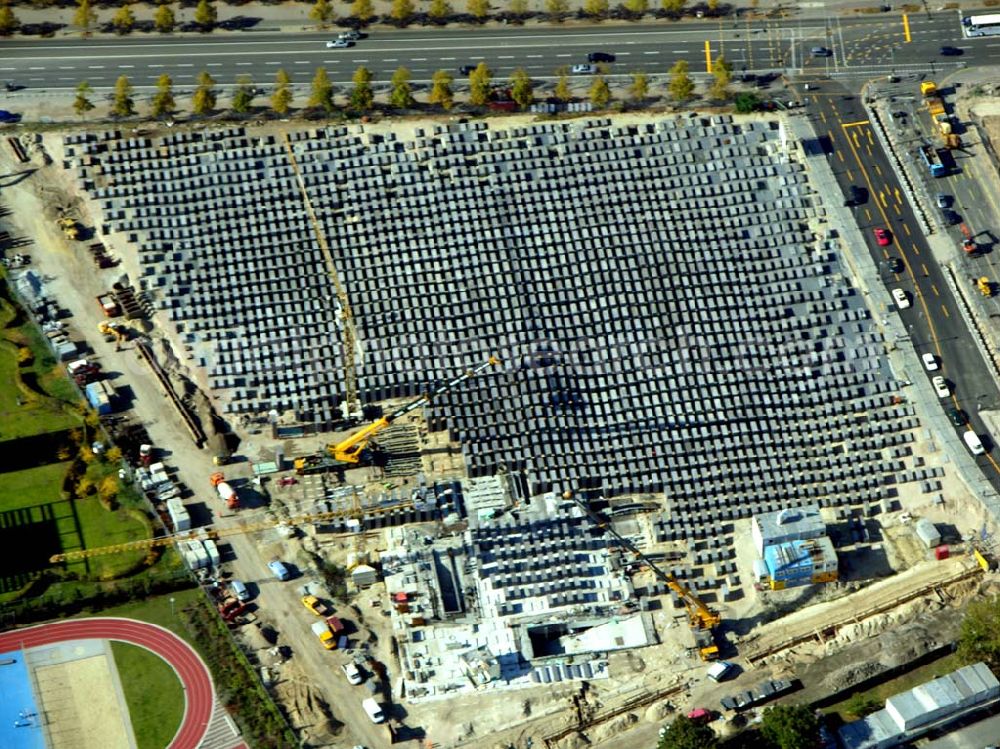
(69,227)
(702,619)
(114,331)
(359,449)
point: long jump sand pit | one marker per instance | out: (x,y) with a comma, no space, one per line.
(80,702)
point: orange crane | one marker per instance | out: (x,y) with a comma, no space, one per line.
(356,450)
(702,619)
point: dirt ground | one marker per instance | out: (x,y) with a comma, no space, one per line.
(80,703)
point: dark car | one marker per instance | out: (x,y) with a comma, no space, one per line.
(600,57)
(950,217)
(951,52)
(895,265)
(958,417)
(6,116)
(466,69)
(856,196)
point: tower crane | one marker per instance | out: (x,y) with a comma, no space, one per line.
(214,534)
(702,619)
(351,406)
(355,450)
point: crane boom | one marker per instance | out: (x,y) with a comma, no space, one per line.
(699,615)
(351,449)
(211,533)
(349,338)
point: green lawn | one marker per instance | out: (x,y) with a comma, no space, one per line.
(153,693)
(877,695)
(157,610)
(32,486)
(103,527)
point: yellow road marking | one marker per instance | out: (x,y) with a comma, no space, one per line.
(859,123)
(850,175)
(708,56)
(877,170)
(822,116)
(869,134)
(906,28)
(945,310)
(868,214)
(881,197)
(868,148)
(907,230)
(898,211)
(840,155)
(899,198)
(934,289)
(916,250)
(923,267)
(857,142)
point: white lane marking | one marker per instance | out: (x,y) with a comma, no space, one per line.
(652,52)
(419,59)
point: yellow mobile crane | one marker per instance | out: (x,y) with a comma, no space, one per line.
(355,450)
(702,619)
(210,533)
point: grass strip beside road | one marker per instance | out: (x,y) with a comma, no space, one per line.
(153,693)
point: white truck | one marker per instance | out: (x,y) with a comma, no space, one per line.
(373,709)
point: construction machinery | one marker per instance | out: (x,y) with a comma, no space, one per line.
(214,534)
(226,492)
(69,227)
(113,332)
(936,109)
(702,619)
(984,286)
(351,406)
(359,449)
(109,305)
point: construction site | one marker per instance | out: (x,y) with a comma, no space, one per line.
(579,407)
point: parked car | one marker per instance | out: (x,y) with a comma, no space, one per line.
(958,417)
(950,217)
(352,673)
(6,116)
(820,52)
(856,196)
(941,387)
(951,52)
(883,237)
(895,265)
(239,589)
(902,300)
(584,69)
(315,605)
(720,671)
(930,362)
(600,57)
(279,570)
(942,200)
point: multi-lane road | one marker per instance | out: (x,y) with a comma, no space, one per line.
(860,46)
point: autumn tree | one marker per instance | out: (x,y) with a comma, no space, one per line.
(441,92)
(521,88)
(362,95)
(478,9)
(600,92)
(595,8)
(164,19)
(681,87)
(638,90)
(479,85)
(562,91)
(790,727)
(163,100)
(363,10)
(672,6)
(556,8)
(84,16)
(206,14)
(519,7)
(401,95)
(722,73)
(321,12)
(122,105)
(204,99)
(244,94)
(8,21)
(281,99)
(439,9)
(82,104)
(979,637)
(713,5)
(637,7)
(401,10)
(321,95)
(124,19)
(684,733)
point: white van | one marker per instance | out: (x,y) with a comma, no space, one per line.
(239,590)
(374,710)
(973,442)
(720,671)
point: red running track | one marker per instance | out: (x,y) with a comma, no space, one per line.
(194,676)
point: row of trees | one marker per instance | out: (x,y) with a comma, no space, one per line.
(361,96)
(781,727)
(362,11)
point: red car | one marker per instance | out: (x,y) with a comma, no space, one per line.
(883,237)
(700,715)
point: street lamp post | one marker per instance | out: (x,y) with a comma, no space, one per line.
(172,606)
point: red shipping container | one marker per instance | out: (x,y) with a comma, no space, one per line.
(941,552)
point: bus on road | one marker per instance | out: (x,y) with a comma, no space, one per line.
(986,25)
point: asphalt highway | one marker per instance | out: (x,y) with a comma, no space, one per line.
(933,320)
(859,46)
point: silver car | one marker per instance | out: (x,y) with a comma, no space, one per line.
(338,43)
(584,69)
